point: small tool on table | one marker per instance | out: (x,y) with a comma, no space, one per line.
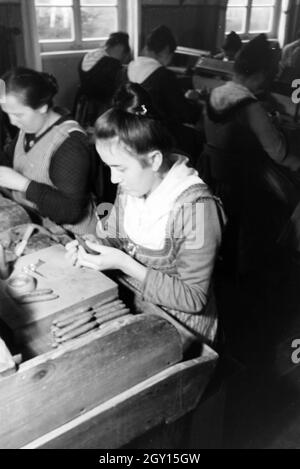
(19,249)
(31,269)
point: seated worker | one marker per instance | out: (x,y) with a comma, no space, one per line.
(244,147)
(247,164)
(164,231)
(230,48)
(289,65)
(150,70)
(290,53)
(48,165)
(101,72)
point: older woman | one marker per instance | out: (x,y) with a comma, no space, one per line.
(48,166)
(165,229)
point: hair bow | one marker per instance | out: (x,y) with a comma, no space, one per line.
(143,110)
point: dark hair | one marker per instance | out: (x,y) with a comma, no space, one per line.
(255,56)
(135,122)
(35,88)
(232,42)
(118,38)
(160,38)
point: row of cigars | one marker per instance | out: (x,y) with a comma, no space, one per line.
(71,325)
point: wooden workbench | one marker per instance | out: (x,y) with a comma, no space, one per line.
(103,389)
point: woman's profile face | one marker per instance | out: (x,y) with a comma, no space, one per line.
(22,116)
(126,170)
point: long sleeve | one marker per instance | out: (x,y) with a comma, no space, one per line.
(7,154)
(198,243)
(70,172)
(272,141)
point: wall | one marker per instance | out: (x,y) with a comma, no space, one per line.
(64,68)
(195,23)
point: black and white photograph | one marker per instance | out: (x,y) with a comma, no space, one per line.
(149,227)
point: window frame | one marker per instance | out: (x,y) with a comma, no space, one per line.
(79,44)
(247,35)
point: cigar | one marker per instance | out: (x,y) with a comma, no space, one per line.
(36,298)
(108,306)
(99,314)
(71,314)
(78,331)
(38,292)
(80,322)
(66,322)
(120,318)
(114,315)
(105,302)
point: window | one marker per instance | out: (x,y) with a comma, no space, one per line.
(251,17)
(75,24)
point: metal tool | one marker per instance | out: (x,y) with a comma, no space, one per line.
(32,268)
(19,249)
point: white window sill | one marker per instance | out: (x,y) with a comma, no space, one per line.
(58,53)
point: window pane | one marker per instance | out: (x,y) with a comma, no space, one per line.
(54,2)
(237,3)
(98,2)
(263,2)
(236,20)
(55,23)
(98,22)
(261,20)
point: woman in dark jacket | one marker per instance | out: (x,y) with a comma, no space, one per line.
(101,73)
(246,163)
(48,167)
(151,72)
(245,158)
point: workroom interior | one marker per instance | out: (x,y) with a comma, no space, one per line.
(150,224)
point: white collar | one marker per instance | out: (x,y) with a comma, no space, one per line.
(145,220)
(141,68)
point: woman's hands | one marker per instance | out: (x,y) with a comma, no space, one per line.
(107,259)
(11,179)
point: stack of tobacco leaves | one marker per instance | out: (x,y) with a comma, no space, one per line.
(75,324)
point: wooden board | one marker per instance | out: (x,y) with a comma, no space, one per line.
(75,286)
(55,388)
(163,398)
